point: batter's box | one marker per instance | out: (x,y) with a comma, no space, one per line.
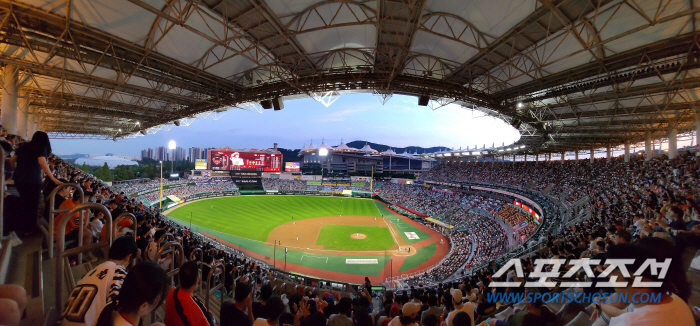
(411,235)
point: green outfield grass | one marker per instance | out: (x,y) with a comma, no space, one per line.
(401,226)
(253,217)
(337,237)
(246,221)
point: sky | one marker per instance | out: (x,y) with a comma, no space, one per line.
(398,123)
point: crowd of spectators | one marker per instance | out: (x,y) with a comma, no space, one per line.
(488,204)
(284,184)
(639,210)
(515,217)
(183,192)
(132,187)
(475,238)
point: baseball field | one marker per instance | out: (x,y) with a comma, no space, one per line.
(336,238)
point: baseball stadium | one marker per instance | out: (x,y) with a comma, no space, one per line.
(341,239)
(350,162)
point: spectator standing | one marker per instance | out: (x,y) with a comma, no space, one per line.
(29,162)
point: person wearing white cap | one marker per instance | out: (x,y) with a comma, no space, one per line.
(459,307)
(408,315)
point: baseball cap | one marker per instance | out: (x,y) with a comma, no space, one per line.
(456,295)
(409,309)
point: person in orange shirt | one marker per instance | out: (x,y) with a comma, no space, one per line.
(119,197)
(72,231)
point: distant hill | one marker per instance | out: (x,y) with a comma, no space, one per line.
(382,148)
(72,156)
(289,155)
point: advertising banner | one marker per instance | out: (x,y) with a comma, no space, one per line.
(200,164)
(244,161)
(291,166)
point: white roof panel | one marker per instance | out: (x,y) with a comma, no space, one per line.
(490,17)
(361,36)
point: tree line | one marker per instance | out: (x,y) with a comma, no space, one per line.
(147,168)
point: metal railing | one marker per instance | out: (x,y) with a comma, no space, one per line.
(2,193)
(49,231)
(123,216)
(217,270)
(193,256)
(61,253)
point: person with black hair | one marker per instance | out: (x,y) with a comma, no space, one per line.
(433,308)
(462,319)
(274,308)
(341,318)
(153,247)
(182,308)
(143,290)
(100,286)
(29,162)
(232,314)
(360,317)
(673,292)
(430,320)
(260,309)
(317,319)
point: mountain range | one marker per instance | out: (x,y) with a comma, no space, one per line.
(291,155)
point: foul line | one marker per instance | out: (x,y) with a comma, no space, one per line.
(392,231)
(302,258)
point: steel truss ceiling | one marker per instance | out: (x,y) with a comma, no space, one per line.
(569,74)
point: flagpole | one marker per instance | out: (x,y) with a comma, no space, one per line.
(371,184)
(161,186)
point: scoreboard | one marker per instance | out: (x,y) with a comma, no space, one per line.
(244,161)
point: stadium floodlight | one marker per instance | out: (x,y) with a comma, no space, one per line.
(172,145)
(520,105)
(322,152)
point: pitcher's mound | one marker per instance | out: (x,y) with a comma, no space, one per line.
(358,236)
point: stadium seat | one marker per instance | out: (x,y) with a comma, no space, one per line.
(582,319)
(504,314)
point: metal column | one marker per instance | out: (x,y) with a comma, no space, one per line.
(8,105)
(648,153)
(672,143)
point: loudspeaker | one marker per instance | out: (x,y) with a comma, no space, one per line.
(177,123)
(266,104)
(277,103)
(143,132)
(423,100)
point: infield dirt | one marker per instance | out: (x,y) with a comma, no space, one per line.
(309,229)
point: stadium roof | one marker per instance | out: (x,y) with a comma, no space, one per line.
(568,74)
